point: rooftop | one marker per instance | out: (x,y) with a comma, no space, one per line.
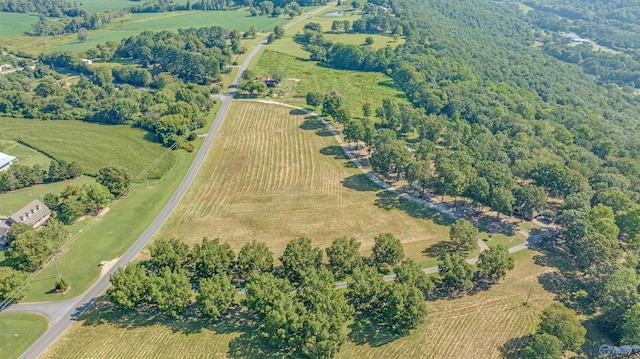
(5,159)
(31,214)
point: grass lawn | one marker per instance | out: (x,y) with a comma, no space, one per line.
(16,24)
(14,200)
(26,156)
(91,145)
(304,76)
(18,331)
(272,176)
(472,326)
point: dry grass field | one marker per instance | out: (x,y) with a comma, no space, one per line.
(483,325)
(274,175)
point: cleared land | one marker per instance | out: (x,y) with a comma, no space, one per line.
(472,326)
(274,175)
(16,24)
(92,145)
(304,76)
(18,331)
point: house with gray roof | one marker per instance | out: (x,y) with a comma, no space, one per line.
(33,214)
(5,161)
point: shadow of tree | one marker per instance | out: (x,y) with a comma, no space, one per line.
(334,150)
(388,200)
(312,123)
(438,249)
(366,331)
(512,348)
(298,112)
(360,182)
(250,345)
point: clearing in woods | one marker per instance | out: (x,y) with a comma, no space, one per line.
(484,325)
(274,174)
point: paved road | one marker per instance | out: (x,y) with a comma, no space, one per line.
(62,314)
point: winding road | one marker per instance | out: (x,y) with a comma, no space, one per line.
(63,314)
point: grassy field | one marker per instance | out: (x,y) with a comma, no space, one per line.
(108,236)
(16,24)
(14,200)
(476,326)
(304,76)
(273,176)
(26,156)
(92,145)
(18,331)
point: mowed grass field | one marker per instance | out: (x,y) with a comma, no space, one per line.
(18,331)
(273,175)
(476,326)
(16,24)
(91,145)
(304,76)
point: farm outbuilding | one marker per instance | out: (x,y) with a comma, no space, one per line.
(5,161)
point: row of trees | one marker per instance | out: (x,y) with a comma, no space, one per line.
(29,249)
(20,176)
(268,8)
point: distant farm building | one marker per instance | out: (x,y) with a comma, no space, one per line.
(87,61)
(5,161)
(35,214)
(5,67)
(268,81)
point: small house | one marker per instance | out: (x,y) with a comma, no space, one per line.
(34,214)
(5,161)
(268,81)
(4,67)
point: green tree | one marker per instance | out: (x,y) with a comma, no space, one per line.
(17,229)
(344,256)
(278,31)
(28,251)
(266,7)
(254,257)
(271,38)
(215,295)
(529,199)
(502,201)
(129,286)
(368,40)
(366,109)
(410,273)
(405,307)
(171,253)
(331,104)
(495,262)
(354,131)
(11,284)
(543,346)
(420,171)
(630,327)
(95,196)
(366,291)
(83,34)
(561,322)
(170,291)
(455,272)
(619,293)
(314,99)
(210,258)
(253,31)
(115,179)
(387,250)
(464,236)
(298,257)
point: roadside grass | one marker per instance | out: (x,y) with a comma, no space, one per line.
(14,200)
(481,325)
(499,238)
(91,145)
(304,76)
(26,156)
(16,24)
(273,175)
(18,331)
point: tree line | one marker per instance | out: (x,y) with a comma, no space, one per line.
(19,176)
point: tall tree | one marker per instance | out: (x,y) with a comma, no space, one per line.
(344,256)
(210,258)
(299,256)
(455,273)
(464,236)
(543,346)
(495,262)
(129,286)
(387,250)
(115,179)
(170,291)
(215,295)
(254,256)
(561,322)
(171,253)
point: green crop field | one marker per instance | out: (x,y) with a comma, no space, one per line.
(18,331)
(273,175)
(469,327)
(25,155)
(91,145)
(16,24)
(304,76)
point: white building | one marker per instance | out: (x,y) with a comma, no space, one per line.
(5,161)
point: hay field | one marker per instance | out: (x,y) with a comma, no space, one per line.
(485,325)
(273,175)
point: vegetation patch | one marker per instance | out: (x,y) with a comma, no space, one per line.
(92,146)
(18,331)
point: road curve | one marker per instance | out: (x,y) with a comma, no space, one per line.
(63,314)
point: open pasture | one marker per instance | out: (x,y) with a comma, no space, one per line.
(273,175)
(18,331)
(304,76)
(484,325)
(91,145)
